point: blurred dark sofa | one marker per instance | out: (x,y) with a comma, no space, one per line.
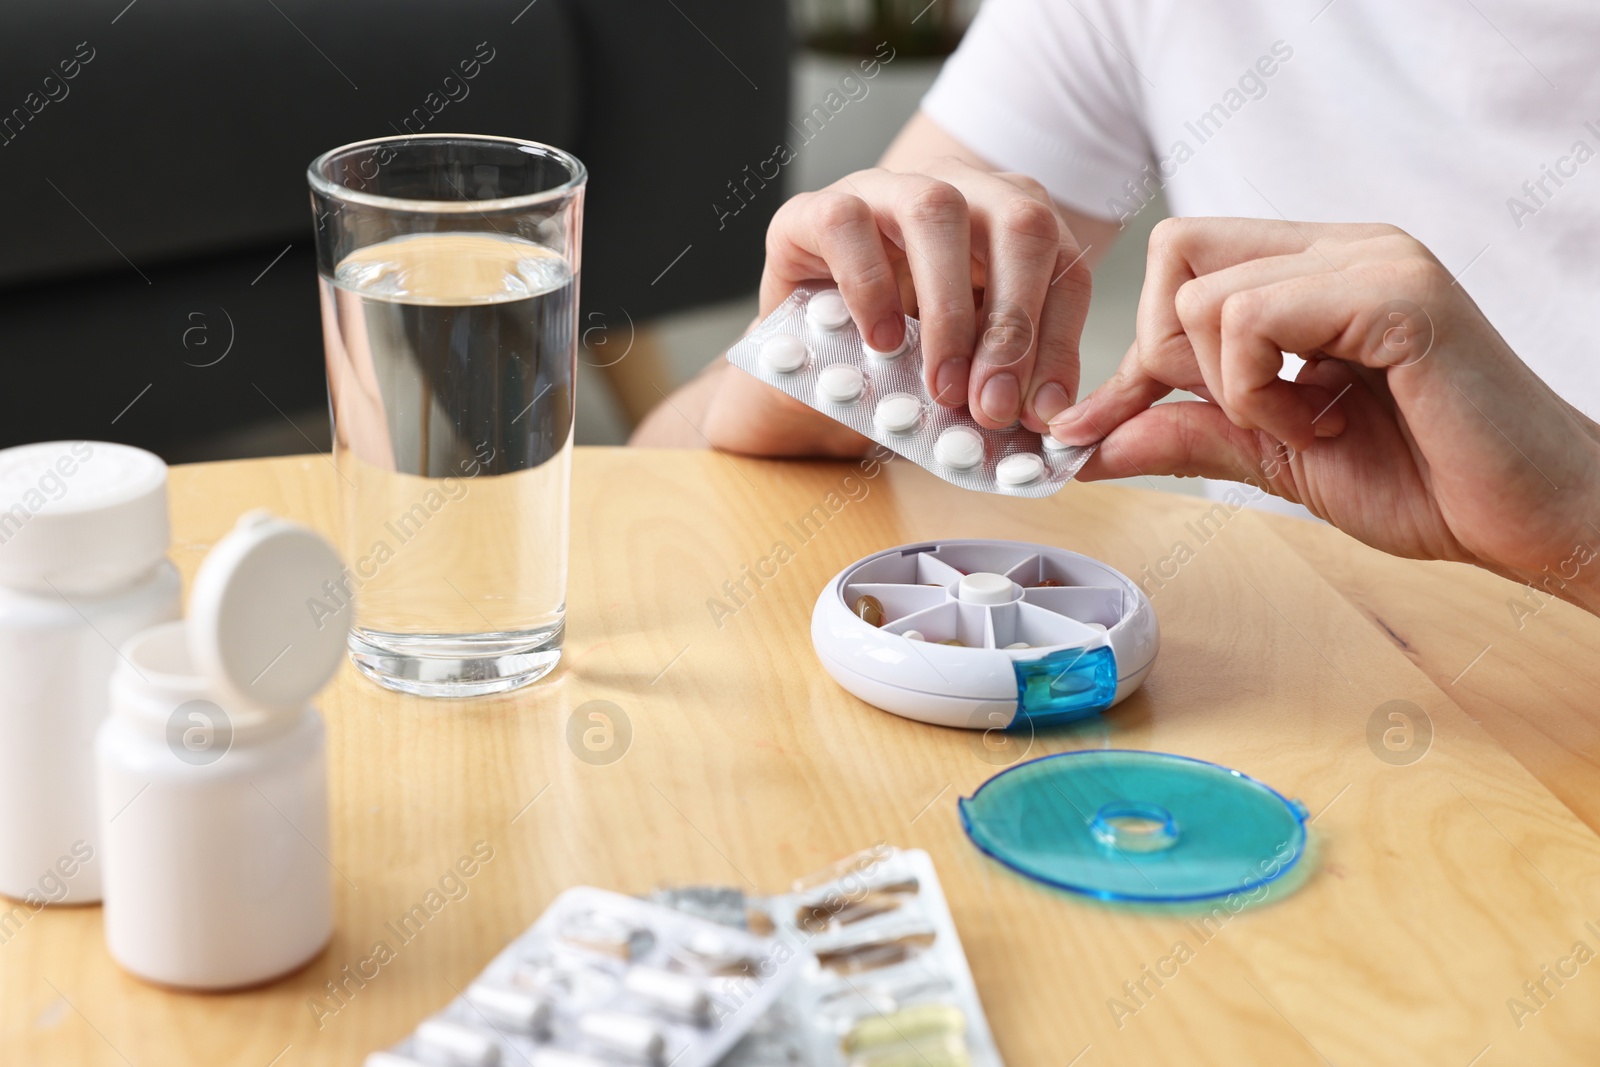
(157,281)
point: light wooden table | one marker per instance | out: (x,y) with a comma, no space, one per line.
(1438,888)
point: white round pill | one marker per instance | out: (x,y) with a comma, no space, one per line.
(827,311)
(894,353)
(1017,645)
(959,447)
(784,353)
(1020,469)
(899,412)
(982,587)
(840,383)
(913,635)
(1051,444)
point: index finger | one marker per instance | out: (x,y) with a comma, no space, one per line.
(929,221)
(1163,357)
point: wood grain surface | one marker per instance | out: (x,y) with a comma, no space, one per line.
(1445,874)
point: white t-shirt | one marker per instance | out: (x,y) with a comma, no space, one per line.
(1427,114)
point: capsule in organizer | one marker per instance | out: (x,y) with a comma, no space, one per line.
(810,349)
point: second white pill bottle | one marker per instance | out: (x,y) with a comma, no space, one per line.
(212,777)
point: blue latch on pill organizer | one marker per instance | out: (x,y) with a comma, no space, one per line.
(985,634)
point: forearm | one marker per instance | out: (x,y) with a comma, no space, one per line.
(1574,578)
(679,420)
(727,409)
(1574,574)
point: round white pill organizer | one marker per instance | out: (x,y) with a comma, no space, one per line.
(985,634)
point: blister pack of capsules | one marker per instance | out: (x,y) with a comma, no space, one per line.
(885,981)
(810,348)
(604,978)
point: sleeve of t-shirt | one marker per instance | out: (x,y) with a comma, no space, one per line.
(1051,89)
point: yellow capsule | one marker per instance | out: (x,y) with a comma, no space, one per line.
(870,610)
(916,1024)
(953,643)
(948,1051)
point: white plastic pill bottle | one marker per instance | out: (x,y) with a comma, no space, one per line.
(83,567)
(212,778)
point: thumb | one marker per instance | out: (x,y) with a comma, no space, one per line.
(1188,439)
(1123,396)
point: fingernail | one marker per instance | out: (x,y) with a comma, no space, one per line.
(950,383)
(1064,426)
(1049,401)
(887,333)
(1001,398)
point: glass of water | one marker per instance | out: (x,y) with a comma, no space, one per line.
(449,277)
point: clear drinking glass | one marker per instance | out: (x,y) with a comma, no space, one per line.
(449,277)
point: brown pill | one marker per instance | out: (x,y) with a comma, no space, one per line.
(870,955)
(759,922)
(953,643)
(1049,583)
(870,610)
(815,918)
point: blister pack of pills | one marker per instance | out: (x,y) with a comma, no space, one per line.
(810,348)
(885,982)
(604,978)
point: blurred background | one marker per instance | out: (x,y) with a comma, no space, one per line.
(158,285)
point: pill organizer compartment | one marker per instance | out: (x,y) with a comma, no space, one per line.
(985,634)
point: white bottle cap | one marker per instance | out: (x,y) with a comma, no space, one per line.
(827,311)
(840,383)
(80,516)
(269,613)
(959,448)
(784,353)
(1019,469)
(981,587)
(899,412)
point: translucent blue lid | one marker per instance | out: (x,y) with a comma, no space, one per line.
(1120,824)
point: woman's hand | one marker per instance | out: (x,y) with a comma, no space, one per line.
(985,260)
(1413,426)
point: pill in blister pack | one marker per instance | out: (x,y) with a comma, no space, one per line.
(603,978)
(890,984)
(810,349)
